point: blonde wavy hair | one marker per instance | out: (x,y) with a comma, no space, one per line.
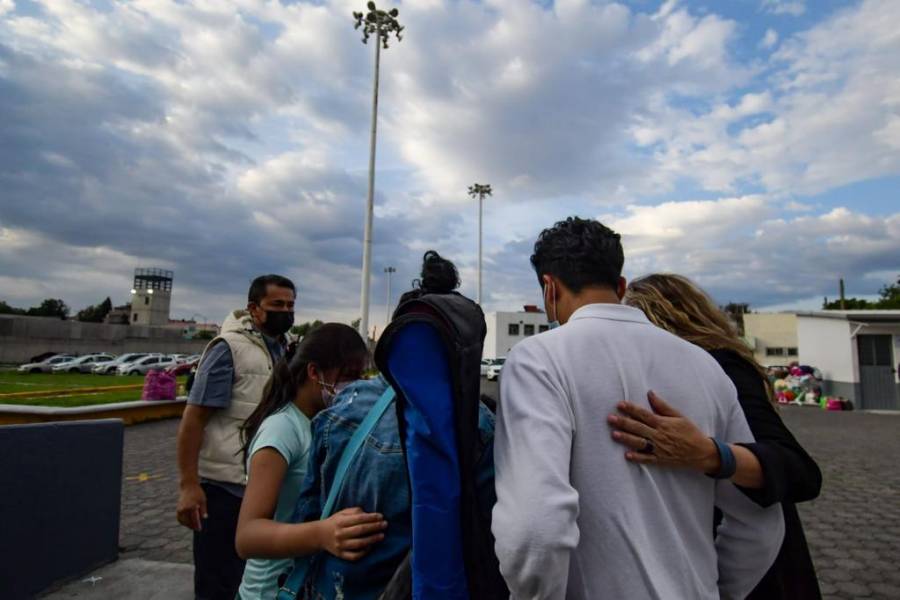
(679,306)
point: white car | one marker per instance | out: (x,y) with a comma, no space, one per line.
(46,365)
(494,370)
(112,366)
(142,366)
(82,364)
(485,365)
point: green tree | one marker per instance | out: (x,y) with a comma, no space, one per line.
(95,313)
(6,309)
(51,307)
(737,310)
(304,328)
(890,296)
(849,304)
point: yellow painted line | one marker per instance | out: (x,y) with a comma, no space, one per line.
(142,477)
(72,391)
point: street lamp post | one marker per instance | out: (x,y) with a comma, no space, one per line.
(387,317)
(381,24)
(480,190)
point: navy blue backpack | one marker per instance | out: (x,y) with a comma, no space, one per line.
(431,355)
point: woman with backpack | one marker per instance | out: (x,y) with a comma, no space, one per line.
(376,479)
(276,444)
(775,468)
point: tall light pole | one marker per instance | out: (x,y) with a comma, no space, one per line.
(387,317)
(381,24)
(480,190)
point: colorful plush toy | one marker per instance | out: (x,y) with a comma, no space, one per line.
(780,384)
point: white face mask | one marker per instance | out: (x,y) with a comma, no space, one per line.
(330,391)
(555,322)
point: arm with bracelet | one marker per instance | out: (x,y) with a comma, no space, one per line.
(665,437)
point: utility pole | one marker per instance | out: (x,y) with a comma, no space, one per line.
(381,24)
(843,300)
(480,190)
(387,317)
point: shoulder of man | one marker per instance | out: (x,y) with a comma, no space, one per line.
(216,355)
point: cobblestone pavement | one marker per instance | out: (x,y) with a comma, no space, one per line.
(853,528)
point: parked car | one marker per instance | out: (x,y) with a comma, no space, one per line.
(179,358)
(42,357)
(142,366)
(110,367)
(45,366)
(82,364)
(485,365)
(495,368)
(183,368)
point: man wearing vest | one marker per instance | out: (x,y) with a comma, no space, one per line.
(229,384)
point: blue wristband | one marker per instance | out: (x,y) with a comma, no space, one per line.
(728,463)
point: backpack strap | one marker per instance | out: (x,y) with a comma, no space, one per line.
(294,582)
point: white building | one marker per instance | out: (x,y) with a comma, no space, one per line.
(773,337)
(505,329)
(857,351)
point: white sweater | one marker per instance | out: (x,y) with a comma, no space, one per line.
(573,519)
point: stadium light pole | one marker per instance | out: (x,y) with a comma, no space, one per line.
(381,24)
(387,317)
(480,191)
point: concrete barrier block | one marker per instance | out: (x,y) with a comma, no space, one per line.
(60,506)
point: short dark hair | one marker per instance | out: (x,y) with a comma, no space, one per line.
(580,252)
(260,286)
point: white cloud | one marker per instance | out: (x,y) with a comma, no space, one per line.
(784,256)
(228,139)
(784,7)
(769,40)
(827,118)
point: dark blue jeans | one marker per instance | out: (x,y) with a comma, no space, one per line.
(217,567)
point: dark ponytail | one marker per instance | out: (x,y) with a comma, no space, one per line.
(329,346)
(439,276)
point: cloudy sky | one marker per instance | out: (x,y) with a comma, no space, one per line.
(753,145)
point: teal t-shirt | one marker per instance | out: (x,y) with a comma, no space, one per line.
(288,432)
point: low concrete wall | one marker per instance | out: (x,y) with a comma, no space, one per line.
(24,337)
(129,413)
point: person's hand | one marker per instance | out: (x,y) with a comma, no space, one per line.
(191,506)
(663,437)
(350,533)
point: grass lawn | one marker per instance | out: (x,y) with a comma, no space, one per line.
(11,381)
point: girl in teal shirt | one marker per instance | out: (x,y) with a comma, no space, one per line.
(277,439)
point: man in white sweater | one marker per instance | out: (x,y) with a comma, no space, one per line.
(573,518)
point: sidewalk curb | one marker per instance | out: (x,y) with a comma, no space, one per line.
(139,411)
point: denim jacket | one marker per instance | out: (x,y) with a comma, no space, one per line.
(377,481)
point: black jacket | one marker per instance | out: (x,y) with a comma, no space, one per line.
(791,476)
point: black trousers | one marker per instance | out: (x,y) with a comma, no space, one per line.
(217,567)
